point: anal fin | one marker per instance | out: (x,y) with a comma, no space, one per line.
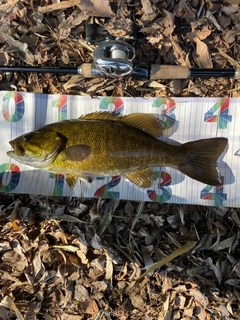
(142,178)
(72,179)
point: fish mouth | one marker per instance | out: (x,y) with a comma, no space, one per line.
(17,148)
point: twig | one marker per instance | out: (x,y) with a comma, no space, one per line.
(5,6)
(57,6)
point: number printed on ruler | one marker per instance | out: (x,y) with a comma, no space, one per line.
(9,177)
(105,190)
(219,114)
(112,104)
(13,106)
(61,104)
(168,106)
(166,191)
(217,195)
(58,183)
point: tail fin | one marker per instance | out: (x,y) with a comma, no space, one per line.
(200,160)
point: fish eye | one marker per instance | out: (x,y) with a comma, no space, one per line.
(27,137)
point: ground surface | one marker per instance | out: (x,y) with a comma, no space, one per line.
(83,258)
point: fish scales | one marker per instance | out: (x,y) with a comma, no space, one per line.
(114,148)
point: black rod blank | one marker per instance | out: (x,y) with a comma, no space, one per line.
(142,72)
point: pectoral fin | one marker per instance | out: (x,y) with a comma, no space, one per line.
(142,178)
(76,153)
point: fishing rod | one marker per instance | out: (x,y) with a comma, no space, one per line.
(140,72)
(114,58)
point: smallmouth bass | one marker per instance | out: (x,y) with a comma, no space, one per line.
(101,144)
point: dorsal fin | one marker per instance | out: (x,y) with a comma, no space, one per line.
(143,121)
(100,115)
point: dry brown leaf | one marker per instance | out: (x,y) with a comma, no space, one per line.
(75,260)
(89,307)
(227,243)
(235,217)
(224,21)
(107,216)
(230,59)
(61,236)
(182,58)
(17,261)
(199,297)
(230,35)
(184,11)
(3,58)
(200,312)
(177,86)
(82,256)
(188,311)
(7,302)
(37,264)
(80,293)
(202,33)
(228,10)
(166,24)
(159,27)
(146,257)
(97,8)
(180,301)
(19,48)
(99,262)
(99,286)
(213,20)
(149,11)
(201,54)
(155,84)
(65,27)
(216,270)
(57,6)
(181,8)
(137,301)
(233,1)
(72,82)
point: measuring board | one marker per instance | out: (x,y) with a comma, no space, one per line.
(185,119)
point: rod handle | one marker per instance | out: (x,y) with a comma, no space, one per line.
(86,70)
(169,72)
(157,72)
(162,72)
